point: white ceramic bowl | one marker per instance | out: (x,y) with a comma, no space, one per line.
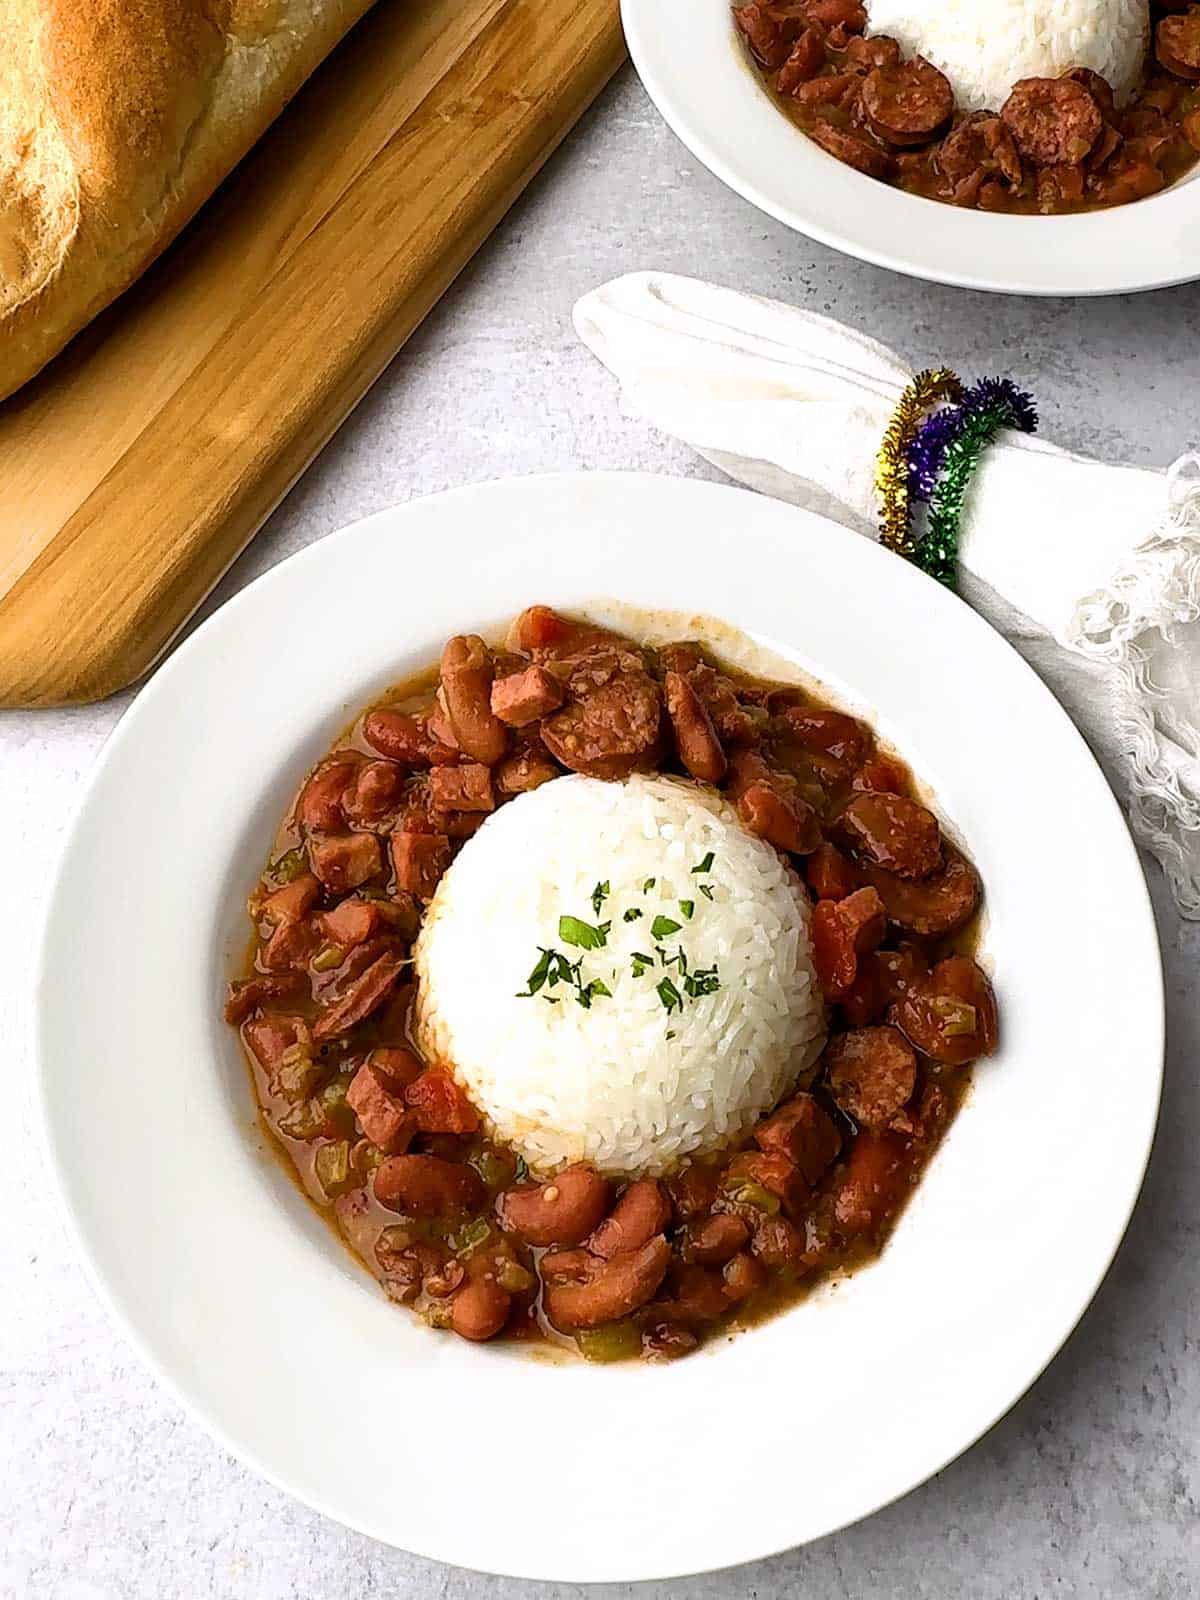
(696,70)
(246,1305)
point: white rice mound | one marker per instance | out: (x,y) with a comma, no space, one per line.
(562,1083)
(984,46)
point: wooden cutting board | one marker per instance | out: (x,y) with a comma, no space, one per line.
(136,468)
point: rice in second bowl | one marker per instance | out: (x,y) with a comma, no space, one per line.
(624,1082)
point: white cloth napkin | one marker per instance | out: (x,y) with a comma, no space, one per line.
(1091,570)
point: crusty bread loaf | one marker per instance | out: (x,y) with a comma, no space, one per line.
(118,118)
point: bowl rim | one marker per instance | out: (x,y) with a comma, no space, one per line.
(706,89)
(612,498)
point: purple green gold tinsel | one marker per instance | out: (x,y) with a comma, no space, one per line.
(946,461)
(891,464)
(932,458)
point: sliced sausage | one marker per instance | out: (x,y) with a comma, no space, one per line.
(803,1131)
(291,945)
(641,1212)
(893,832)
(834,742)
(292,902)
(270,1038)
(464,788)
(874,1180)
(344,861)
(769,1170)
(878,772)
(770,38)
(428,1186)
(981,144)
(354,921)
(853,149)
(528,770)
(405,739)
(611,727)
(806,59)
(907,103)
(829,873)
(381,1113)
(563,1211)
(692,1190)
(1177,44)
(872,1074)
(1099,88)
(480,1309)
(467,691)
(610,1290)
(843,930)
(524,697)
(367,991)
(1053,121)
(849,15)
(695,737)
(934,906)
(419,859)
(780,817)
(246,996)
(951,1015)
(880,50)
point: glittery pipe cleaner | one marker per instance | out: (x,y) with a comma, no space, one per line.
(1000,405)
(927,448)
(891,464)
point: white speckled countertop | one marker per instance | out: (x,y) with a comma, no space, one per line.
(1090,1486)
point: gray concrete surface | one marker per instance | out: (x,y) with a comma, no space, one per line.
(1089,1487)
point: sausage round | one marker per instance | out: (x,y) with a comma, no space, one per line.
(1053,121)
(951,1015)
(872,1074)
(695,737)
(563,1211)
(1177,44)
(908,102)
(936,905)
(611,728)
(853,149)
(892,832)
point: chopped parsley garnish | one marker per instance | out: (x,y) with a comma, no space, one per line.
(641,963)
(553,967)
(588,992)
(688,908)
(633,914)
(571,930)
(706,864)
(670,1034)
(703,981)
(664,927)
(669,995)
(522,1171)
(648,885)
(599,896)
(706,890)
